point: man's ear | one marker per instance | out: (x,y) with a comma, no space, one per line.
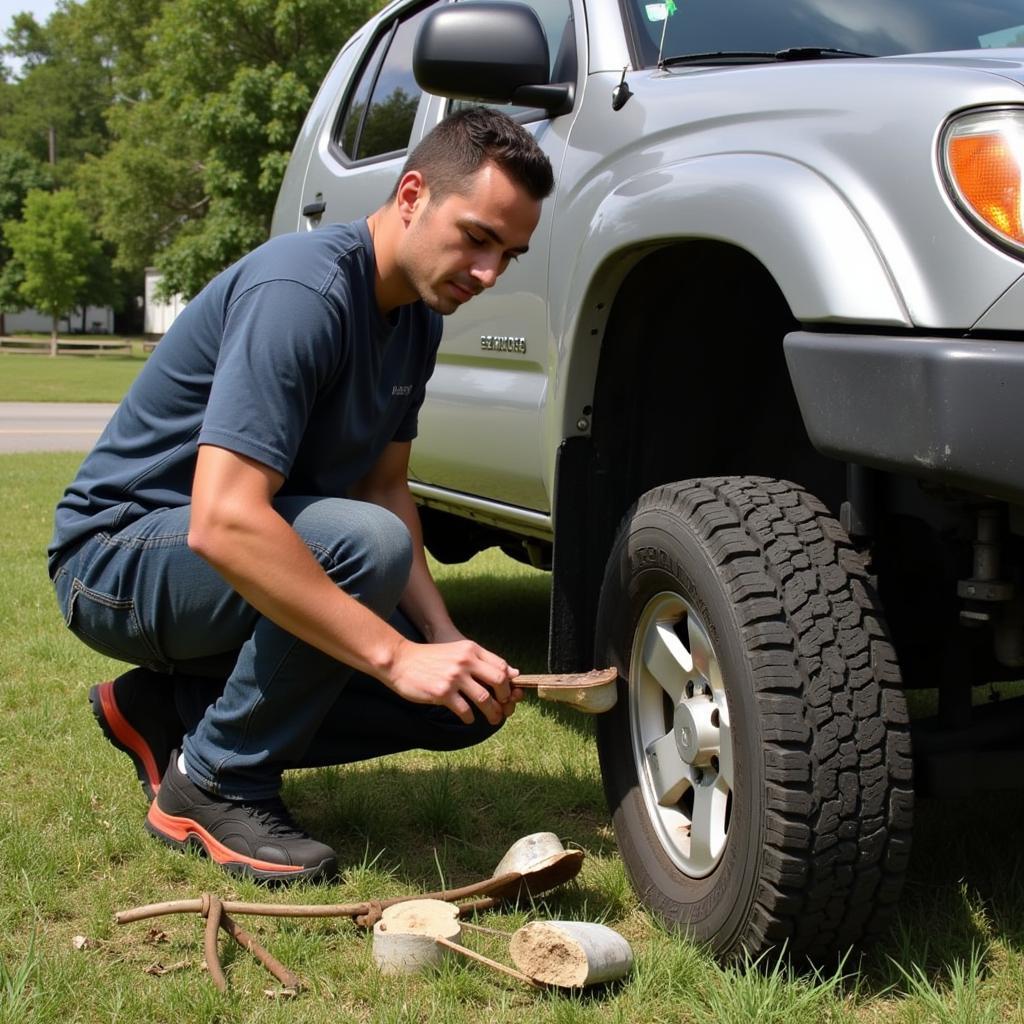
(412,194)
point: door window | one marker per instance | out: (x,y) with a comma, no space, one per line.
(377,118)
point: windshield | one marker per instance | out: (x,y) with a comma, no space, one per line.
(877,27)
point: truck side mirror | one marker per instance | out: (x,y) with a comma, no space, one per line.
(490,51)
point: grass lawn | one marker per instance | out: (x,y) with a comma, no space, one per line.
(73,851)
(68,378)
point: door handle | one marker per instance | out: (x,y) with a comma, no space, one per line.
(314,209)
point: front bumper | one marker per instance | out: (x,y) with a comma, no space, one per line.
(945,410)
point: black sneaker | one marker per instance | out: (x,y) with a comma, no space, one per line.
(256,838)
(137,714)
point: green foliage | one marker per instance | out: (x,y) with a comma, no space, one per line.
(16,985)
(962,1002)
(73,851)
(190,180)
(87,57)
(146,186)
(771,993)
(173,119)
(28,40)
(59,256)
(64,88)
(19,173)
(82,61)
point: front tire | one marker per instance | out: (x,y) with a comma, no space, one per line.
(757,764)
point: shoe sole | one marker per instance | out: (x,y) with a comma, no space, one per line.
(183,833)
(123,735)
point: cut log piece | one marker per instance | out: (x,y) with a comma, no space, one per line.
(404,939)
(570,954)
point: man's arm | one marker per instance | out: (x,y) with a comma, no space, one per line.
(235,528)
(387,484)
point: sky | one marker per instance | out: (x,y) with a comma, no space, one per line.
(42,9)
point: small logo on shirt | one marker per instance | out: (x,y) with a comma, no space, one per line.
(401,389)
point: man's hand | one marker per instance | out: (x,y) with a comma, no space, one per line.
(449,670)
(459,675)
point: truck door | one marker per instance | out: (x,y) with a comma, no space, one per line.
(481,429)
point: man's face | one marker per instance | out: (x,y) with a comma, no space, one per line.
(456,247)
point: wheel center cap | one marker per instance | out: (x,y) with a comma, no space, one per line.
(697,738)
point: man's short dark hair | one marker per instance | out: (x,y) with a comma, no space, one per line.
(462,143)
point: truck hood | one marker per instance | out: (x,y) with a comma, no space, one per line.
(890,94)
(1006,62)
(871,129)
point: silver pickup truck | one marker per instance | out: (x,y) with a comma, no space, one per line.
(761,375)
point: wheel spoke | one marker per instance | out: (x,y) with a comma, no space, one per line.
(707,830)
(678,702)
(667,660)
(725,753)
(700,647)
(670,775)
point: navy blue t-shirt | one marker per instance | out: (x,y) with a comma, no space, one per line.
(284,357)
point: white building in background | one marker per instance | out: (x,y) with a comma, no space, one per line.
(98,320)
(158,314)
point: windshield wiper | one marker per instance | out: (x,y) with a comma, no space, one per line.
(814,52)
(760,56)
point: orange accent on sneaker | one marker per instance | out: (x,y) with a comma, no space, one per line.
(179,829)
(127,735)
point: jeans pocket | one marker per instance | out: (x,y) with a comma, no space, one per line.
(109,625)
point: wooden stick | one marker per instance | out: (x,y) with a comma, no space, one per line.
(570,680)
(213,923)
(480,958)
(480,888)
(478,905)
(265,957)
(159,909)
(485,931)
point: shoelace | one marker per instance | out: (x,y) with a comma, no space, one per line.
(275,817)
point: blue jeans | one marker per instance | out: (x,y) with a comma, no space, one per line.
(253,699)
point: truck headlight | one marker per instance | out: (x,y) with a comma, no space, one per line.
(983,162)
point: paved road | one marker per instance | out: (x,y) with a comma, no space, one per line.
(52,426)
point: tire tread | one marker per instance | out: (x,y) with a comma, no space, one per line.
(834,722)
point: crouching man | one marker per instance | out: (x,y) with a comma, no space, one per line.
(243,531)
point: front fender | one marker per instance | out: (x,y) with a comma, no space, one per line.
(783,213)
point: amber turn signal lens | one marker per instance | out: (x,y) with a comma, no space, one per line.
(984,160)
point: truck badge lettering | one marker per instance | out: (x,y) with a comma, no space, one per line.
(502,343)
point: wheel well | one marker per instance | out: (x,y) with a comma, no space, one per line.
(692,379)
(691,382)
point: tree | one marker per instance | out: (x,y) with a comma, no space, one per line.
(86,58)
(19,173)
(173,120)
(54,110)
(57,252)
(190,181)
(147,186)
